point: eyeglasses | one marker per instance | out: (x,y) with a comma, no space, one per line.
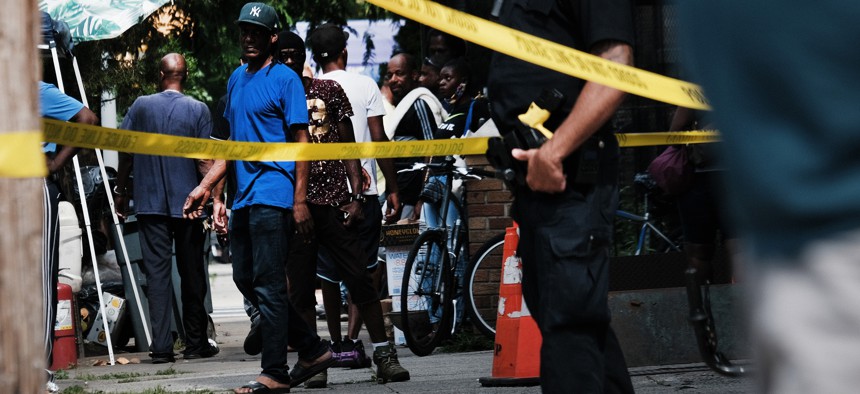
(292,54)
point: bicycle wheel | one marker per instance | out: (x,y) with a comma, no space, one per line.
(482,285)
(426,292)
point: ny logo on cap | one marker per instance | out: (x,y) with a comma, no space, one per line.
(255,11)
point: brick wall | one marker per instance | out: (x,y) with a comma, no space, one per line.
(489,206)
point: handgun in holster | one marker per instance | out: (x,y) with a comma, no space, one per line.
(531,134)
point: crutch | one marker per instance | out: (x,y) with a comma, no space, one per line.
(116,222)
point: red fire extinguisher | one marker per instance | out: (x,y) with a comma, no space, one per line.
(65,349)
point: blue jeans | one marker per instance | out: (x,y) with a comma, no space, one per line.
(260,243)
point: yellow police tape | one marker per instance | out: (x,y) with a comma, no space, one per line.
(548,54)
(630,140)
(21,155)
(16,160)
(88,136)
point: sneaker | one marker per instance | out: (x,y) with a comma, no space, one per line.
(388,368)
(363,360)
(51,386)
(352,355)
(318,381)
(336,349)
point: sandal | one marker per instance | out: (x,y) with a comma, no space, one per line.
(301,373)
(259,388)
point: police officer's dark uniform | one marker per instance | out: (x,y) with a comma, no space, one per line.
(565,237)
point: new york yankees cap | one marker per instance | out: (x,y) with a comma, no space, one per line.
(259,14)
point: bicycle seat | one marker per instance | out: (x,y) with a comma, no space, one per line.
(644,182)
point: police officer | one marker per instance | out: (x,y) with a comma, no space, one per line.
(565,212)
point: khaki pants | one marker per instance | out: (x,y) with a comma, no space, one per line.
(806,319)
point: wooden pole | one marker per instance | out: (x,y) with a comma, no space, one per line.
(22,358)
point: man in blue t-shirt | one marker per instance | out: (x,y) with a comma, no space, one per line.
(55,105)
(161,184)
(266,103)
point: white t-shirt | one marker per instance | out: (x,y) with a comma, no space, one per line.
(366,101)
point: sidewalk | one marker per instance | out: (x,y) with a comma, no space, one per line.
(437,373)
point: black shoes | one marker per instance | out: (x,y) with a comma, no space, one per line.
(206,352)
(162,358)
(254,341)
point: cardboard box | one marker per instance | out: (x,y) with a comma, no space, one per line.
(397,240)
(399,234)
(114,309)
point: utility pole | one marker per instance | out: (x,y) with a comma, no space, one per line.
(22,358)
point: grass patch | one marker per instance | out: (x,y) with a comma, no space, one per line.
(157,390)
(74,390)
(169,372)
(112,376)
(61,374)
(466,341)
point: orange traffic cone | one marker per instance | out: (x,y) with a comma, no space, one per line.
(516,360)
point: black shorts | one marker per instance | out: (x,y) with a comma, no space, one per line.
(345,249)
(368,232)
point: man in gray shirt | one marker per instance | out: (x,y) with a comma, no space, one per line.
(161,184)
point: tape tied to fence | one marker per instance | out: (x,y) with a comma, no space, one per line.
(548,54)
(21,155)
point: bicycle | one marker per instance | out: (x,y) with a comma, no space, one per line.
(698,292)
(483,274)
(429,286)
(482,285)
(647,224)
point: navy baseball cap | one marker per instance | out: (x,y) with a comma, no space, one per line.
(259,14)
(327,40)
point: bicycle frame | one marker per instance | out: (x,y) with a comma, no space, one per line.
(646,228)
(456,238)
(454,234)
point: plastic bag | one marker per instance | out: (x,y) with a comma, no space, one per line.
(672,170)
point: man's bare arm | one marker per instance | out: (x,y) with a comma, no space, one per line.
(377,134)
(65,153)
(594,106)
(353,172)
(301,213)
(196,200)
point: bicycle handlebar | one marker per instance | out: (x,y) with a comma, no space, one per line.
(448,167)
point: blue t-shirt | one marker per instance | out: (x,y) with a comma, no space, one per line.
(161,183)
(56,105)
(261,107)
